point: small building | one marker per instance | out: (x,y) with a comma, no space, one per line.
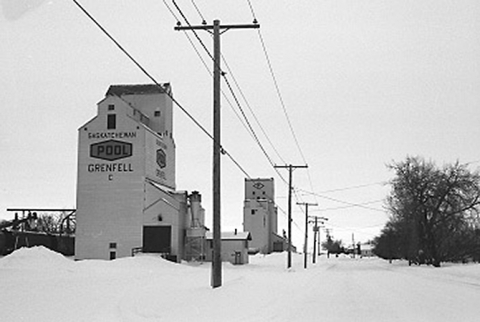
(366,250)
(234,247)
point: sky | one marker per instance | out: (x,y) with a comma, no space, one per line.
(348,88)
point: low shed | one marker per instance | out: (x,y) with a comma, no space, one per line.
(234,247)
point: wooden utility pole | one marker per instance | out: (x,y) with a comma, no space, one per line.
(217,147)
(305,246)
(319,240)
(353,245)
(316,230)
(290,170)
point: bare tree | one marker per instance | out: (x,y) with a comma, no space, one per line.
(432,209)
(48,224)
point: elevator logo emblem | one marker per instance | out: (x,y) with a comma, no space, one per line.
(111,150)
(258,185)
(161,158)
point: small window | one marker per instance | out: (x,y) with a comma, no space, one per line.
(157,113)
(113,255)
(111,122)
(113,245)
(253,192)
(253,211)
(111,107)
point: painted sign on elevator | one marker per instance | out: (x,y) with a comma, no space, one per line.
(111,150)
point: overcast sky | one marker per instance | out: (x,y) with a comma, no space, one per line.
(364,83)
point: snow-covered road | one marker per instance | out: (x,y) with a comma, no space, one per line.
(373,290)
(39,285)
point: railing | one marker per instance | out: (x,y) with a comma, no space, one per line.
(136,250)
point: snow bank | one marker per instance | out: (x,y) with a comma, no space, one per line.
(149,288)
(36,258)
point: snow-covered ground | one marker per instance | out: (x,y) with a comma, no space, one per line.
(39,285)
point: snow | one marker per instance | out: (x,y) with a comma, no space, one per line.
(40,285)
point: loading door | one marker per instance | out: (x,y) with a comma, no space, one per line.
(157,239)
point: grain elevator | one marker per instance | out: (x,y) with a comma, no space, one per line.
(126,192)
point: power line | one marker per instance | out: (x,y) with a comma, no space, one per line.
(193,30)
(252,133)
(159,85)
(251,130)
(286,216)
(290,168)
(279,94)
(238,87)
(356,229)
(204,22)
(353,187)
(211,74)
(139,66)
(248,123)
(252,11)
(252,112)
(351,206)
(346,202)
(216,256)
(280,97)
(171,11)
(144,71)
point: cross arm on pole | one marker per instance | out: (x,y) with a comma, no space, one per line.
(210,27)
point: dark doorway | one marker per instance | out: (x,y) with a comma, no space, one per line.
(157,239)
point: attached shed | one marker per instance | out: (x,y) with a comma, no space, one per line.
(234,247)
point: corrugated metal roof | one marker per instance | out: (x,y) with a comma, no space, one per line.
(119,90)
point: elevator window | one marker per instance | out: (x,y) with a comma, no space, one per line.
(111,122)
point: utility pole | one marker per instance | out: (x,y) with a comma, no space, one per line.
(316,230)
(217,147)
(290,170)
(319,241)
(353,245)
(306,231)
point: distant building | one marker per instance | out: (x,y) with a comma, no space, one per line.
(260,216)
(234,247)
(126,191)
(366,250)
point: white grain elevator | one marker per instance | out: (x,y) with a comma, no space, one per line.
(126,190)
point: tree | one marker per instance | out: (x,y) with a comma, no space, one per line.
(389,244)
(48,224)
(333,246)
(432,210)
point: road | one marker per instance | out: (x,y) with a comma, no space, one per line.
(39,285)
(344,289)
